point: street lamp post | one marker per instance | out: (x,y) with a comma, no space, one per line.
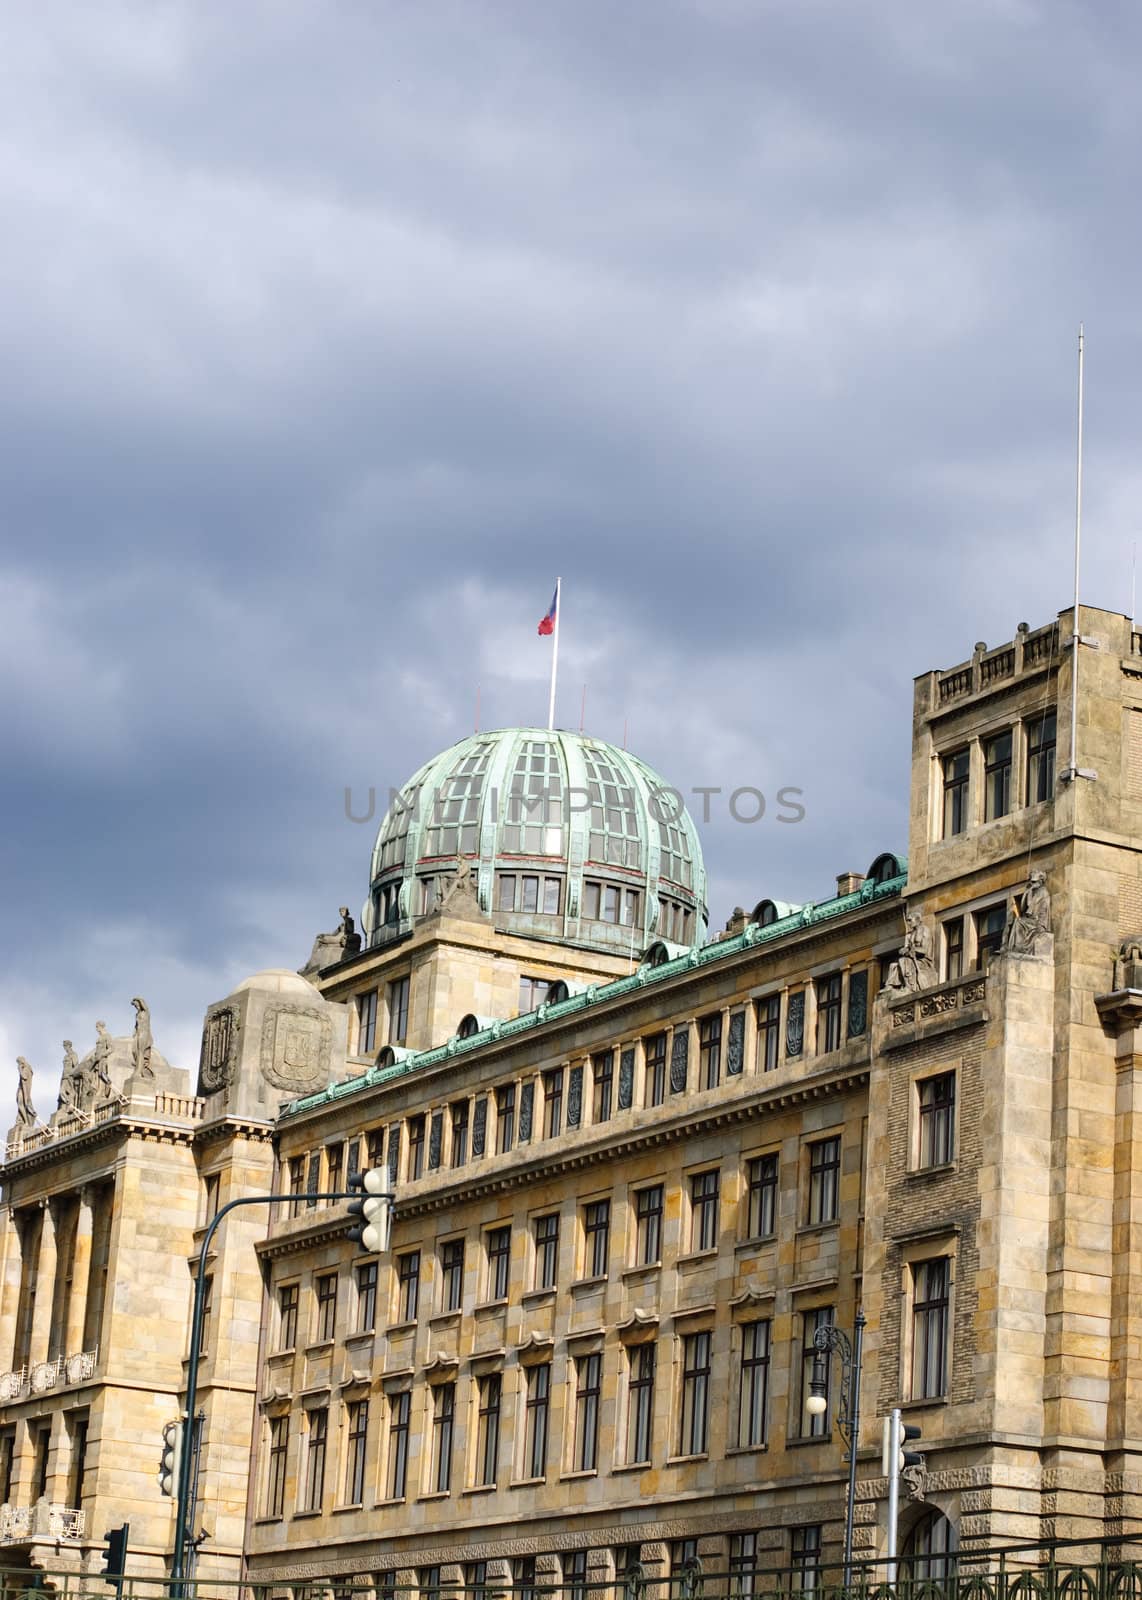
(191,1435)
(826,1340)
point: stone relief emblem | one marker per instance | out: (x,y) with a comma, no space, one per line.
(216,1061)
(296,1042)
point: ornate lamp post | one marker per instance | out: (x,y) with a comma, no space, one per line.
(826,1340)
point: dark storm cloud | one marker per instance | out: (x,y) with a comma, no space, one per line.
(332,333)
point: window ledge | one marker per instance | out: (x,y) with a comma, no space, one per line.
(360,1335)
(444,1319)
(644,1269)
(393,1500)
(796,1442)
(486,1307)
(525,1483)
(535,1297)
(924,1403)
(580,1472)
(631,1466)
(585,1285)
(683,1461)
(746,1449)
(480,1488)
(267,1521)
(281,1355)
(762,1241)
(436,1494)
(353,1505)
(939,1169)
(300,1516)
(818,1227)
(401,1327)
(318,1347)
(693,1256)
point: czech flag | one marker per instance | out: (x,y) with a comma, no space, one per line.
(547,625)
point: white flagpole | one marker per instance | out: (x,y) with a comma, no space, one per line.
(554,656)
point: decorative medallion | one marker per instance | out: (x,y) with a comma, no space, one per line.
(575,1097)
(394,1153)
(435,1140)
(480,1126)
(735,1045)
(679,1058)
(795,1025)
(296,1046)
(526,1107)
(626,1080)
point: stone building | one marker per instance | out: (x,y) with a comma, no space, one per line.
(636,1172)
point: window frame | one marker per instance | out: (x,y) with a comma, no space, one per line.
(596,1218)
(998,775)
(546,1274)
(588,1394)
(935,1105)
(498,1256)
(408,1286)
(763,1180)
(642,1364)
(694,1407)
(710,1050)
(450,1254)
(769,1033)
(830,1012)
(754,1367)
(654,1069)
(649,1215)
(823,1197)
(705,1208)
(537,1421)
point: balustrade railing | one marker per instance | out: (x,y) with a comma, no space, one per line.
(44,1376)
(44,1520)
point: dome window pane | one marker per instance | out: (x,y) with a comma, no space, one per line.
(553,841)
(592,893)
(530,894)
(551,896)
(611,904)
(507,894)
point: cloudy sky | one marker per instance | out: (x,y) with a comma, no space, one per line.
(331,332)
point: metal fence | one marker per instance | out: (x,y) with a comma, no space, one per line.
(1109,1569)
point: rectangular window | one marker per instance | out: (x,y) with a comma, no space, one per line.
(574,1566)
(997,776)
(42,1442)
(398,1011)
(488,1428)
(326,1306)
(592,893)
(611,902)
(761,1197)
(443,1417)
(743,1565)
(459,1133)
(523,1578)
(640,1402)
(213,1190)
(475,1579)
(428,1583)
(953,948)
(415,1147)
(596,1238)
(507,892)
(366,1296)
(367,1023)
(930,1284)
(535,1421)
(603,1072)
(828,1013)
(553,1103)
(753,1387)
(648,1206)
(813,1426)
(957,767)
(315,1458)
(296,1183)
(990,924)
(1041,758)
(824,1180)
(710,1051)
(505,1118)
(769,1033)
(408,1286)
(655,1084)
(499,1262)
(695,1414)
(356,1439)
(704,1211)
(937,1119)
(529,897)
(287,1316)
(452,1275)
(683,1560)
(77,1427)
(805,1558)
(588,1383)
(276,1476)
(546,1251)
(400,1406)
(334,1168)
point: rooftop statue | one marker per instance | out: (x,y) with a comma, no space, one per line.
(98,1086)
(329,948)
(1029,923)
(25,1110)
(72,1084)
(143,1042)
(915,966)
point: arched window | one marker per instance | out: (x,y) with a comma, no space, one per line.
(469,1025)
(929,1550)
(886,866)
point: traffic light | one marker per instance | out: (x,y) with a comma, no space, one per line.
(115,1554)
(171,1458)
(372,1214)
(908,1458)
(898,1434)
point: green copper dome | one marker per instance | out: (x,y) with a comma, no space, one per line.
(567,838)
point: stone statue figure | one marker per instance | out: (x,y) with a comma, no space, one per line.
(141,1050)
(329,948)
(99,1085)
(1029,924)
(71,1088)
(25,1110)
(915,966)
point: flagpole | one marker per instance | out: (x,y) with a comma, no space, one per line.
(554,657)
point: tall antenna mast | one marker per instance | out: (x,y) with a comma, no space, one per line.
(1074,770)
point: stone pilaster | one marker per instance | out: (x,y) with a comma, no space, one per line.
(45,1285)
(80,1274)
(11,1269)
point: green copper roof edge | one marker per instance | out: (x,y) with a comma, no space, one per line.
(809,916)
